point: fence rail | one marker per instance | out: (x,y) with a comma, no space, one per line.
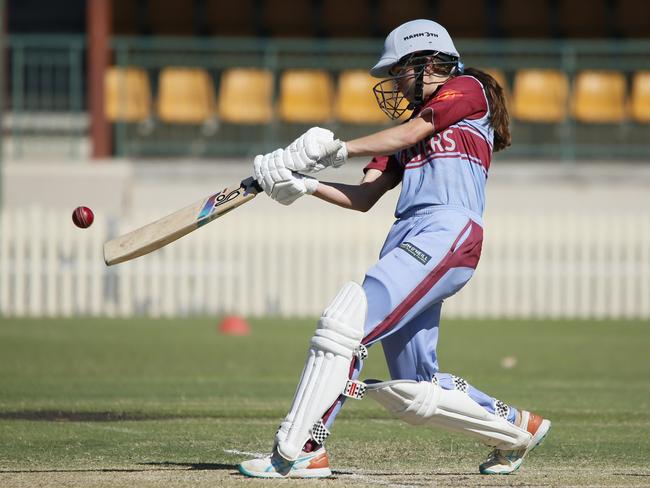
(533,266)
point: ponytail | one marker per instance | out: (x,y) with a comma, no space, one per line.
(499,117)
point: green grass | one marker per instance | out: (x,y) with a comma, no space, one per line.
(172,403)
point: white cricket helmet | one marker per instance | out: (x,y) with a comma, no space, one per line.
(410,37)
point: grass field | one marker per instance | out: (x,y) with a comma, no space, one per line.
(94,403)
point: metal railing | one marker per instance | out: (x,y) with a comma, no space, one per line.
(46,103)
(45,112)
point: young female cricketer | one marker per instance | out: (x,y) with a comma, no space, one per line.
(441,157)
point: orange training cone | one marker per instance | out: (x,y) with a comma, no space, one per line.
(234,325)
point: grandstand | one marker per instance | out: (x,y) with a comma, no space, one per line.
(210,78)
(177,97)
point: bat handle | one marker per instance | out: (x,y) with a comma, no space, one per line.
(251,185)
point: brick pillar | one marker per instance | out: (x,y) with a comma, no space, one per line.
(98,19)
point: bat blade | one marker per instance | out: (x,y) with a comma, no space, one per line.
(174,226)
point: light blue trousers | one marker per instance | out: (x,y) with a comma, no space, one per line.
(428,256)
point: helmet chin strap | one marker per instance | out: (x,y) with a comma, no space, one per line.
(418,91)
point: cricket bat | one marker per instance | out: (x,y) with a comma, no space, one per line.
(174,226)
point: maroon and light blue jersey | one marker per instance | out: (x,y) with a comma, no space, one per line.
(451,167)
(433,248)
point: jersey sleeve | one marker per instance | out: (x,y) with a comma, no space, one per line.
(384,164)
(460,98)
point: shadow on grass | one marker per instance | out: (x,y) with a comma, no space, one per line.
(169,466)
(72,416)
(108,416)
(95,470)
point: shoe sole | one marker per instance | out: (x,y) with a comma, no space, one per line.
(294,473)
(544,429)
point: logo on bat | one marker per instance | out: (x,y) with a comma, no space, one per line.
(214,201)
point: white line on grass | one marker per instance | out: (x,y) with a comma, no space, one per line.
(245,453)
(100,426)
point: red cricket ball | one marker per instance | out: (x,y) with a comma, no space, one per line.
(82,217)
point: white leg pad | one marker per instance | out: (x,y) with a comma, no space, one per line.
(425,403)
(326,370)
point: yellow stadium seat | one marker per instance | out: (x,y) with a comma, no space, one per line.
(355,100)
(185,96)
(306,96)
(640,101)
(540,96)
(599,97)
(127,95)
(246,96)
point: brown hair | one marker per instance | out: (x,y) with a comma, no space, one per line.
(499,117)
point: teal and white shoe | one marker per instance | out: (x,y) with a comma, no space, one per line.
(309,465)
(501,461)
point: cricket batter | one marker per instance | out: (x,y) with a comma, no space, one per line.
(441,156)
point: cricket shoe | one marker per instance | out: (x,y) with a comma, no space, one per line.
(501,461)
(314,464)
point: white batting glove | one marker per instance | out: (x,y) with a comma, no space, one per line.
(315,150)
(279,182)
(287,192)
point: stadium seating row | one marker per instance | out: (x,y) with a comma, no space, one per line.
(246,96)
(187,95)
(595,97)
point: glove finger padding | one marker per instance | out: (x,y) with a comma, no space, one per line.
(263,167)
(335,153)
(280,183)
(295,158)
(287,192)
(315,140)
(272,171)
(304,153)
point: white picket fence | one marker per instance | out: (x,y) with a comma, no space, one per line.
(533,266)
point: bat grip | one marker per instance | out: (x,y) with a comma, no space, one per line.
(251,185)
